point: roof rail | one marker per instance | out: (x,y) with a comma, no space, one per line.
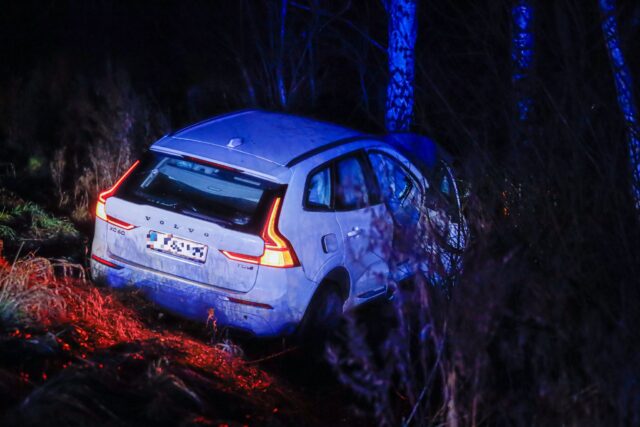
(328,146)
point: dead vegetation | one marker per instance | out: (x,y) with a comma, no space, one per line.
(77,350)
(27,294)
(101,124)
(539,328)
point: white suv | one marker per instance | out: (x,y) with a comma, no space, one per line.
(265,221)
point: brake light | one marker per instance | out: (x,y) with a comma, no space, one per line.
(101,211)
(210,163)
(277,250)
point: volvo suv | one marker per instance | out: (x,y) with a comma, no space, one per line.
(269,223)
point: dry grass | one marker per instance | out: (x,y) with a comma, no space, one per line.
(78,355)
(539,326)
(397,365)
(36,292)
(29,294)
(113,125)
(99,122)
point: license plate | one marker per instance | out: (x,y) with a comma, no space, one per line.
(176,246)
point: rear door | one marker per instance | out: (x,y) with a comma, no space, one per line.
(316,234)
(365,227)
(184,212)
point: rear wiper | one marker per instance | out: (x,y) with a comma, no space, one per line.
(192,211)
(157,200)
(189,208)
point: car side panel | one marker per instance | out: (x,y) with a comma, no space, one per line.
(307,229)
(304,229)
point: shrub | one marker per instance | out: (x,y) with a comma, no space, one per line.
(538,326)
(42,224)
(28,295)
(82,128)
(27,220)
(107,125)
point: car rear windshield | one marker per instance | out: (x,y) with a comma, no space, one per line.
(200,189)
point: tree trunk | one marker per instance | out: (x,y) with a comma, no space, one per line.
(282,91)
(624,86)
(522,57)
(402,40)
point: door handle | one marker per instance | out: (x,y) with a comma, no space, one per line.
(354,232)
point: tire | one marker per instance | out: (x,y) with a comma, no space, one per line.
(322,316)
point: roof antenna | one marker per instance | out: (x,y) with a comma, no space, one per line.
(234,142)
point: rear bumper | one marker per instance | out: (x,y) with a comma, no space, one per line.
(286,291)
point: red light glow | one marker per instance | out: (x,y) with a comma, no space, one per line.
(101,211)
(105,262)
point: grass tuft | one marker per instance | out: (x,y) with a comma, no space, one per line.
(28,295)
(41,224)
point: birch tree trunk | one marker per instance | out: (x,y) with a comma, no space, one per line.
(522,58)
(282,91)
(624,85)
(402,40)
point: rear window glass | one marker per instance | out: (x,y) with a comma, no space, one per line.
(198,189)
(319,190)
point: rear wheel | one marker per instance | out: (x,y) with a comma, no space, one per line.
(322,316)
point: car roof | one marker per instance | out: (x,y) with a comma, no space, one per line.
(273,137)
(270,143)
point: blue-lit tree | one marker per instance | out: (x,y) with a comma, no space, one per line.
(402,40)
(282,91)
(522,57)
(624,85)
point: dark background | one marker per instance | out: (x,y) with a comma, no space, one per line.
(187,57)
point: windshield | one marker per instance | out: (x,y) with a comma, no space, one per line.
(197,188)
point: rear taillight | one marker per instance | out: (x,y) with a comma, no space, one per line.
(277,250)
(101,211)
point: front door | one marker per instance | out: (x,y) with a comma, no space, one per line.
(403,197)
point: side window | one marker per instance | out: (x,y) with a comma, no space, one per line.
(445,186)
(399,190)
(395,182)
(318,193)
(443,196)
(351,188)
